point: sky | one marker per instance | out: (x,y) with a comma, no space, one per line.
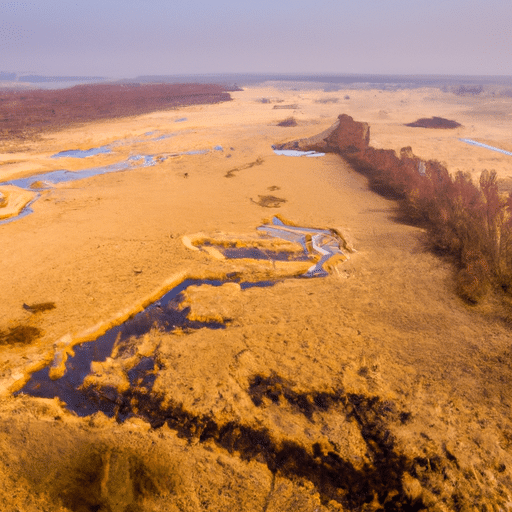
(127,38)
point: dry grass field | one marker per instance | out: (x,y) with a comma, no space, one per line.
(374,388)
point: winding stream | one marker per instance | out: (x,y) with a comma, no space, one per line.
(323,243)
(167,314)
(164,314)
(46,180)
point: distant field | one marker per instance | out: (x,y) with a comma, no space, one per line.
(26,113)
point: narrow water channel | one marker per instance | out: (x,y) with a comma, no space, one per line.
(164,314)
(486,146)
(46,180)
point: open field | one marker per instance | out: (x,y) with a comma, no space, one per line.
(373,388)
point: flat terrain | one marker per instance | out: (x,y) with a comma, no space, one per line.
(373,388)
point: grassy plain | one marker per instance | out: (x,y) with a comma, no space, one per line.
(373,388)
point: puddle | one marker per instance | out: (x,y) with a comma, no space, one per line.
(486,146)
(260,254)
(143,375)
(82,153)
(295,152)
(163,314)
(181,120)
(86,153)
(163,137)
(315,242)
(256,253)
(320,245)
(193,152)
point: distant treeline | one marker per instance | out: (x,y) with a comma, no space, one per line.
(26,113)
(36,79)
(11,77)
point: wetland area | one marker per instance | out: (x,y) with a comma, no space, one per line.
(194,318)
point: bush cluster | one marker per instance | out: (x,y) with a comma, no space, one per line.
(470,222)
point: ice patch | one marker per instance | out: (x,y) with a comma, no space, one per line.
(295,152)
(486,146)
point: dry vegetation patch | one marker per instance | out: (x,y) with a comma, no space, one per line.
(289,121)
(434,122)
(24,114)
(21,334)
(269,201)
(39,307)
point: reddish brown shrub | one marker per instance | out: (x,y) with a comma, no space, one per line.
(474,281)
(470,223)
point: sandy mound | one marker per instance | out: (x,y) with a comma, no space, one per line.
(13,200)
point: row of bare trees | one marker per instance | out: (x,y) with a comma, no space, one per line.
(470,222)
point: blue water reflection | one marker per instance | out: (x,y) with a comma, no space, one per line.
(62,176)
(82,153)
(486,146)
(295,152)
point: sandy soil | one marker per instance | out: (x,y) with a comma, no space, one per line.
(374,388)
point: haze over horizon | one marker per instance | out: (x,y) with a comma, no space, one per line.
(127,38)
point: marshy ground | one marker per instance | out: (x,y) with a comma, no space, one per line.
(373,388)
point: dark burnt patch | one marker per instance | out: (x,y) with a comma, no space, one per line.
(276,389)
(39,307)
(21,334)
(292,106)
(328,100)
(468,90)
(107,478)
(434,122)
(334,477)
(288,122)
(269,201)
(231,172)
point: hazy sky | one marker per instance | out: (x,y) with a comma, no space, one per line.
(125,38)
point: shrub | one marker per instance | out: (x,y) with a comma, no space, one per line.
(471,223)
